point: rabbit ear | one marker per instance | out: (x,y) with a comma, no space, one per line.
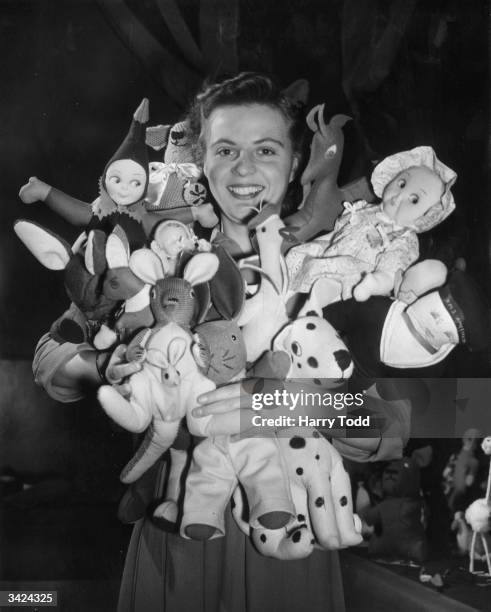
(49,249)
(200,268)
(95,255)
(146,265)
(227,286)
(79,243)
(117,249)
(176,350)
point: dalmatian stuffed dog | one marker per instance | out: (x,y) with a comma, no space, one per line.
(308,348)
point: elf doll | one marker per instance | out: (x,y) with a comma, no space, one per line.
(122,187)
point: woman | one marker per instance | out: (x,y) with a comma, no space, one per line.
(248,140)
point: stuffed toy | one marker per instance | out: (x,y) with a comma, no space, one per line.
(265,313)
(322,198)
(460,473)
(321,494)
(123,187)
(386,336)
(398,530)
(309,462)
(221,357)
(96,290)
(175,191)
(370,244)
(478,514)
(172,238)
(166,389)
(391,339)
(308,348)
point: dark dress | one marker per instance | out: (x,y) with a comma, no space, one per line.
(166,573)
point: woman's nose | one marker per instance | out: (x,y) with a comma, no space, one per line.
(244,166)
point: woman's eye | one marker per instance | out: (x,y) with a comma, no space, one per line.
(414,199)
(266,152)
(401,183)
(224,152)
(114,179)
(135,183)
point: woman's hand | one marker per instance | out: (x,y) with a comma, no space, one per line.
(227,405)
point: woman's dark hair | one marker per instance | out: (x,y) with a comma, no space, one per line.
(245,88)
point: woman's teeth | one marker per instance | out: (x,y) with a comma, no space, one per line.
(248,191)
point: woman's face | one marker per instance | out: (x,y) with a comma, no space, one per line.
(248,158)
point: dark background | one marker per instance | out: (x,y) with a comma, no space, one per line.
(410,72)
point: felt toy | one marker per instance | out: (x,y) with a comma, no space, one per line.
(308,348)
(460,472)
(175,190)
(397,519)
(322,198)
(221,357)
(165,390)
(478,515)
(122,188)
(321,493)
(95,290)
(371,243)
(184,301)
(265,313)
(135,313)
(385,335)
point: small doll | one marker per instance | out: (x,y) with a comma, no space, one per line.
(123,187)
(371,244)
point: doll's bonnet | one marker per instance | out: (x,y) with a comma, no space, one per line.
(391,166)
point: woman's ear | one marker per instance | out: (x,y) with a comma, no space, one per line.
(294,169)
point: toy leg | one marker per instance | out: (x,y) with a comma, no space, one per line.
(486,551)
(168,510)
(473,548)
(260,469)
(209,486)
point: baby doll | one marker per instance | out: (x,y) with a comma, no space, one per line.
(371,244)
(123,187)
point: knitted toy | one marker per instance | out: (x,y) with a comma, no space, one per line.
(95,289)
(397,520)
(175,191)
(370,244)
(123,186)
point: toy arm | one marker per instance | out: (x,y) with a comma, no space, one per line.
(74,211)
(400,254)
